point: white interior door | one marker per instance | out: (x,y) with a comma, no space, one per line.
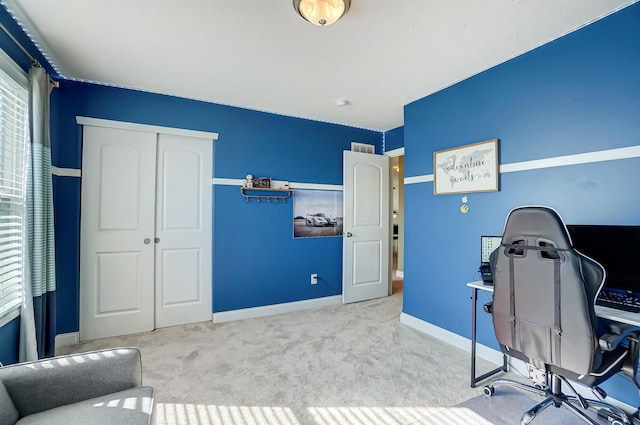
(183,230)
(116,240)
(366,271)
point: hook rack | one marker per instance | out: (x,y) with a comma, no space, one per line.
(275,194)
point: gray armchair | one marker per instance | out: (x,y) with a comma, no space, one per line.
(98,387)
(544,314)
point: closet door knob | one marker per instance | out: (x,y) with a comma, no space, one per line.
(349,234)
(147,241)
(156,240)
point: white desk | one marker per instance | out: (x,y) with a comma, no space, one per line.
(475,287)
(618,315)
(602,312)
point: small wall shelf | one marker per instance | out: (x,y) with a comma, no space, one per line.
(265,193)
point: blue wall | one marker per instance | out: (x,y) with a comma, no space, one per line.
(394,139)
(9,336)
(578,94)
(256,261)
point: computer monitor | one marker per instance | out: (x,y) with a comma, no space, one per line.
(615,247)
(487,245)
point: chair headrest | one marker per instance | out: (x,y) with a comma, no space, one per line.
(536,223)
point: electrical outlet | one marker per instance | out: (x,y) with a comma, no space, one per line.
(314,278)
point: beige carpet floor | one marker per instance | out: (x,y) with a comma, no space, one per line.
(350,364)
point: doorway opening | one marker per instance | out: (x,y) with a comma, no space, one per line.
(397,183)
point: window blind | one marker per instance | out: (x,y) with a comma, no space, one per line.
(13,163)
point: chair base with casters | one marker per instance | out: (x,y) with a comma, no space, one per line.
(621,350)
(553,395)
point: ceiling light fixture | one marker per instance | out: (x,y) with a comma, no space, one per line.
(321,12)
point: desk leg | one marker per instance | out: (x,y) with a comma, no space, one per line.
(503,368)
(474,306)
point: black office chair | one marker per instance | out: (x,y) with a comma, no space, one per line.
(543,314)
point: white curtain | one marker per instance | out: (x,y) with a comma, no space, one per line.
(28,349)
(38,315)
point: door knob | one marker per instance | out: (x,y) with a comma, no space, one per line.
(156,240)
(349,234)
(147,241)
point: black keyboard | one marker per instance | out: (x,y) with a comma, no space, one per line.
(621,301)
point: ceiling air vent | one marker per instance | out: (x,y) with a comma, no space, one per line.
(362,147)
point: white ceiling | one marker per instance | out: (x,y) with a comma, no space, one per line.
(260,54)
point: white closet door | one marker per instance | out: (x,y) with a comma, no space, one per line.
(183,230)
(116,242)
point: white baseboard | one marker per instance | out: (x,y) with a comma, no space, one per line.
(64,340)
(492,355)
(73,338)
(482,351)
(270,310)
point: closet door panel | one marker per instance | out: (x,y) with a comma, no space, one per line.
(182,189)
(116,265)
(120,167)
(183,230)
(180,276)
(114,271)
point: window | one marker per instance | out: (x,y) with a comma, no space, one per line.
(13,163)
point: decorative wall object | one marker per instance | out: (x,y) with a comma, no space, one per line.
(265,188)
(262,182)
(317,213)
(466,169)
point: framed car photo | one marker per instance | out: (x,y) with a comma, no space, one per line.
(317,213)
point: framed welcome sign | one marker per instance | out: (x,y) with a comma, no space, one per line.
(466,169)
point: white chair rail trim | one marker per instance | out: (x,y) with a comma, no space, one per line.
(558,161)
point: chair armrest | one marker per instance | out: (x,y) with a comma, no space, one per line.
(44,384)
(488,307)
(619,332)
